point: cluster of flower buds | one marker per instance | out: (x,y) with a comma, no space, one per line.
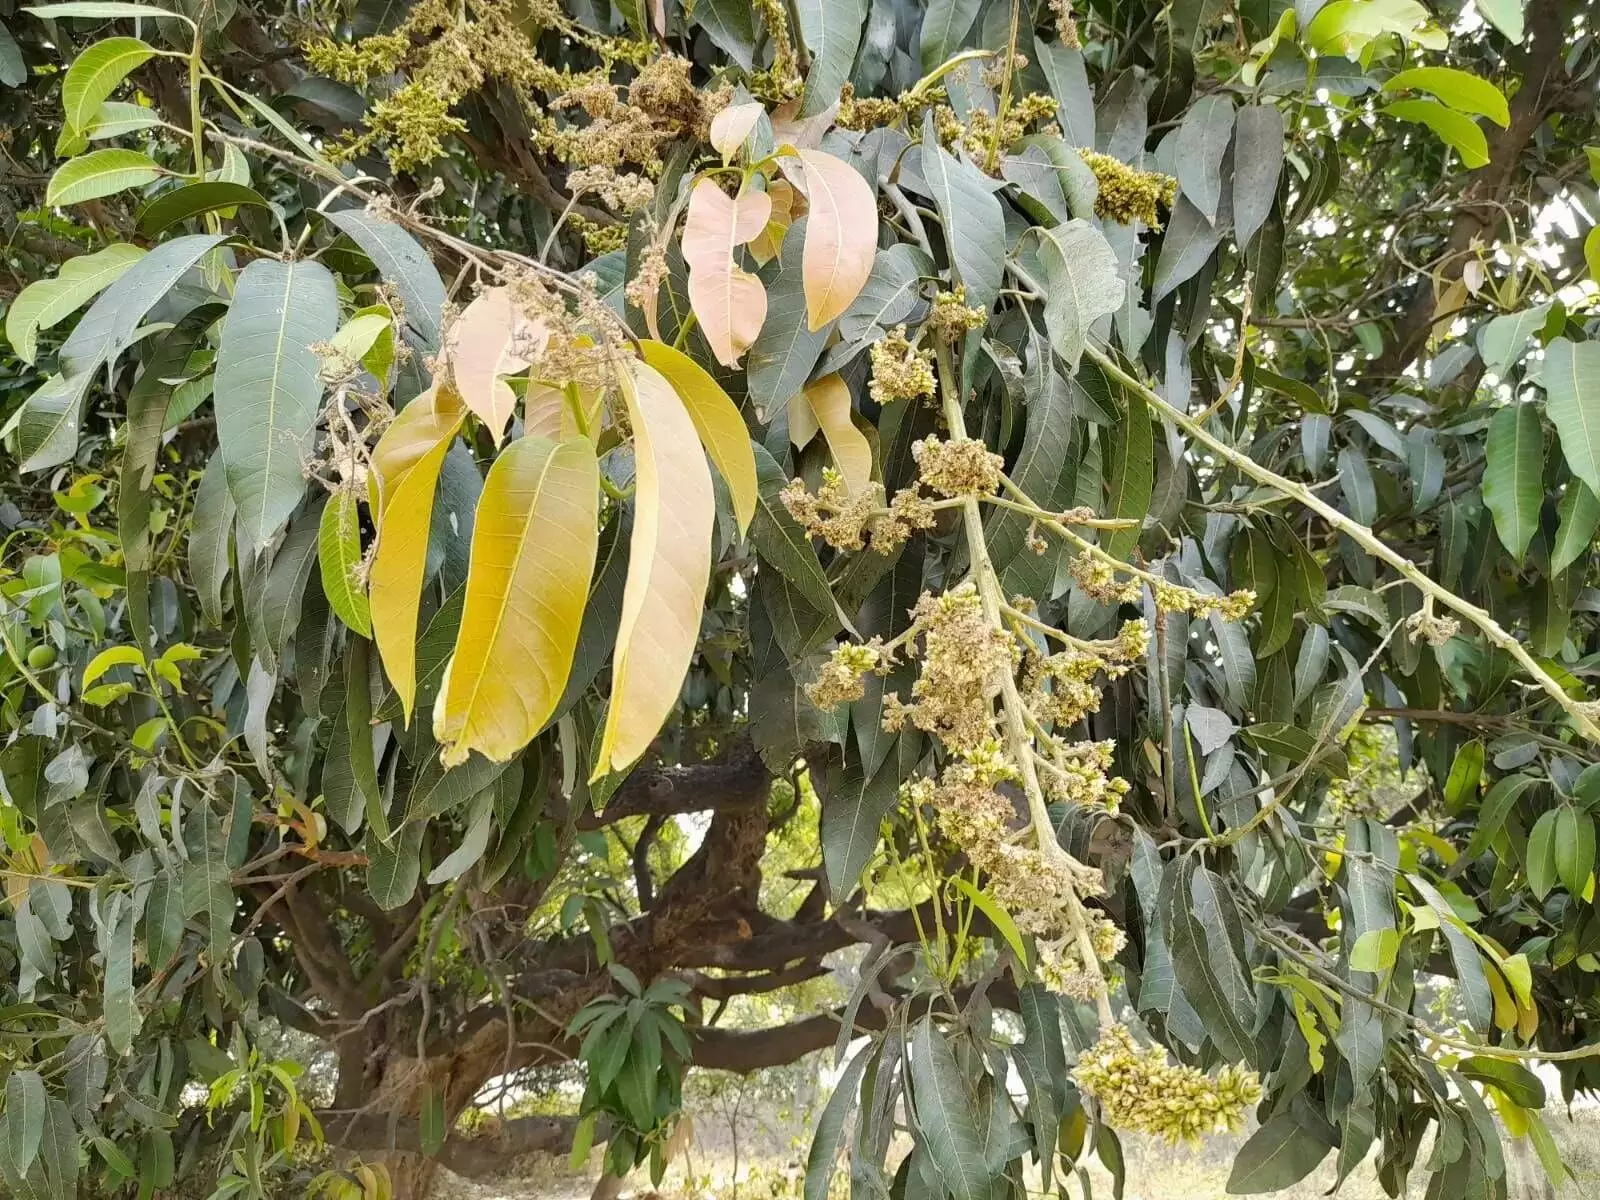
(1139,1090)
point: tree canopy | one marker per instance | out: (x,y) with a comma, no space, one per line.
(532,524)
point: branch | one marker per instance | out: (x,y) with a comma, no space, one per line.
(739,782)
(488,1153)
(745,1050)
(1580,711)
(1482,205)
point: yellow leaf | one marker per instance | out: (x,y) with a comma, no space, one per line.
(722,430)
(544,411)
(728,301)
(406,462)
(802,421)
(1505,1008)
(668,568)
(731,126)
(490,340)
(533,550)
(841,236)
(766,245)
(829,401)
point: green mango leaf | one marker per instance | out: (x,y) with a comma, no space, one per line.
(1279,1155)
(339,555)
(831,32)
(942,1112)
(100,173)
(95,74)
(1454,129)
(974,224)
(1571,378)
(268,390)
(1082,285)
(1513,475)
(45,302)
(161,213)
(1464,92)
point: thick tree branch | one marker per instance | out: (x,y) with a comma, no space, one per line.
(476,1157)
(1482,206)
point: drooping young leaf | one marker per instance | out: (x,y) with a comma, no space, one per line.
(1456,130)
(268,389)
(669,566)
(841,235)
(339,557)
(490,340)
(406,462)
(828,402)
(728,301)
(533,551)
(722,430)
(1461,90)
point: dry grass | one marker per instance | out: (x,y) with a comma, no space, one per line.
(1155,1172)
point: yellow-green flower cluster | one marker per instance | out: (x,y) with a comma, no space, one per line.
(1060,689)
(1100,580)
(1139,1090)
(900,371)
(1080,773)
(978,134)
(1173,597)
(597,238)
(625,191)
(960,467)
(1128,194)
(847,519)
(962,660)
(1038,885)
(1060,964)
(782,80)
(952,318)
(1066,24)
(840,681)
